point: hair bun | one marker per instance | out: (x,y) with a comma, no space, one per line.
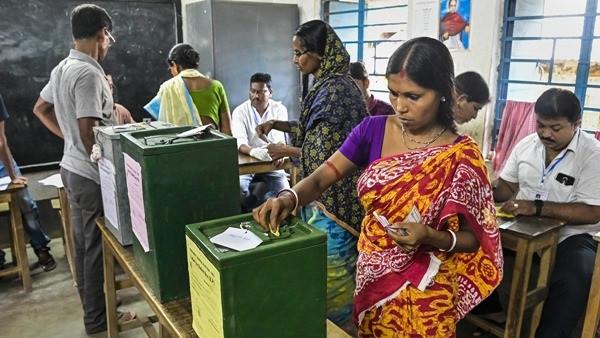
(192,56)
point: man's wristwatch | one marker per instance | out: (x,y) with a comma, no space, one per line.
(538,207)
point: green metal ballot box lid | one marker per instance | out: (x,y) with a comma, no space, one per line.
(277,289)
(156,142)
(171,182)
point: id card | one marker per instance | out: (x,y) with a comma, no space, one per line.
(538,194)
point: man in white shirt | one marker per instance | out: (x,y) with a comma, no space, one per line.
(554,173)
(259,109)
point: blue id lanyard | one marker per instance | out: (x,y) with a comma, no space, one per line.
(546,172)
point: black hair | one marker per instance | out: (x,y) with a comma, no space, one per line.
(313,36)
(184,55)
(88,19)
(358,71)
(428,63)
(556,103)
(473,86)
(262,78)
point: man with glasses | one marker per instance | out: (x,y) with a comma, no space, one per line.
(76,99)
(257,110)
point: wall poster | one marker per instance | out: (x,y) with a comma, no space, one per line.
(455,18)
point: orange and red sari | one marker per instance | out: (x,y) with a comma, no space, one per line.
(425,292)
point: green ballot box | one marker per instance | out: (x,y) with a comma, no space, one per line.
(173,181)
(277,289)
(112,176)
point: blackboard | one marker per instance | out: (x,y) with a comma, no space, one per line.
(36,35)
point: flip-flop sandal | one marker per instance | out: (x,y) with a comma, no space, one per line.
(124,317)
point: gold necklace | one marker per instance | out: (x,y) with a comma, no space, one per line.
(425,144)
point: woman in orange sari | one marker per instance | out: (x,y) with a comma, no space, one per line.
(440,255)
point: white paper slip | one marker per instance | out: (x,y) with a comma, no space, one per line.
(4,182)
(414,216)
(505,225)
(193,131)
(237,239)
(386,224)
(54,180)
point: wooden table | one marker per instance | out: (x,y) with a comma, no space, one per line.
(526,236)
(251,165)
(18,236)
(593,306)
(174,317)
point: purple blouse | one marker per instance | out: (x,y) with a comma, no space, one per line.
(364,143)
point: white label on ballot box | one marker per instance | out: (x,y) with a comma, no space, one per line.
(135,193)
(237,239)
(108,187)
(205,292)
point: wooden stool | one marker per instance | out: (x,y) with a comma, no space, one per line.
(62,204)
(526,236)
(5,211)
(19,251)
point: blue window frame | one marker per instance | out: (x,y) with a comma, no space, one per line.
(371,30)
(550,43)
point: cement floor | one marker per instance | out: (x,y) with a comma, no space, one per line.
(53,308)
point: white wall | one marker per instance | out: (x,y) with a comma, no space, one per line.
(309,9)
(482,57)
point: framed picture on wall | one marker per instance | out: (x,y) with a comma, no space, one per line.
(455,29)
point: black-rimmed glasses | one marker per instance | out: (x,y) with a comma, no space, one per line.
(298,53)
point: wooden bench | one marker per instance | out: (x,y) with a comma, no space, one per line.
(174,317)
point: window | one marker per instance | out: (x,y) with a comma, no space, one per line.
(547,43)
(371,31)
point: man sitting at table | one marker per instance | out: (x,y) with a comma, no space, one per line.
(259,109)
(31,216)
(554,173)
